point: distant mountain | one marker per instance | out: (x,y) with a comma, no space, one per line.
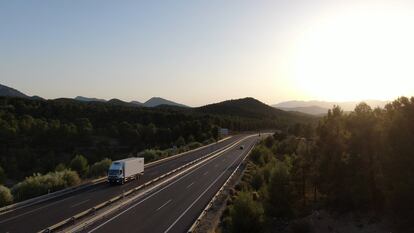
(246,107)
(346,106)
(153,102)
(252,108)
(35,97)
(313,110)
(120,102)
(11,92)
(137,103)
(87,99)
(156,101)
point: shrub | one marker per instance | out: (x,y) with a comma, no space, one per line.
(180,142)
(70,178)
(150,155)
(100,168)
(209,141)
(80,165)
(194,145)
(38,184)
(260,155)
(5,196)
(246,214)
(280,200)
(60,167)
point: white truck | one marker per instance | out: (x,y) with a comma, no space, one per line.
(123,170)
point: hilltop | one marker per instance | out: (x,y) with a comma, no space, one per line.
(11,92)
(251,108)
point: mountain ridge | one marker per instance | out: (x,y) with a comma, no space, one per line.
(152,102)
(319,106)
(11,92)
(313,110)
(157,101)
(252,108)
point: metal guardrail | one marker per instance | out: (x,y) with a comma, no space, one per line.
(49,196)
(210,204)
(46,197)
(72,220)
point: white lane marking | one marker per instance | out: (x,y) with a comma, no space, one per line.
(205,173)
(192,204)
(155,193)
(166,203)
(189,185)
(31,211)
(80,203)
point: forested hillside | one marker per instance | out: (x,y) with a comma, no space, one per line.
(255,113)
(37,135)
(359,163)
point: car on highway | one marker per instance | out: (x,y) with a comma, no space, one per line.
(241,147)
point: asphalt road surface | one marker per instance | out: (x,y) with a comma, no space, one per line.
(43,215)
(174,207)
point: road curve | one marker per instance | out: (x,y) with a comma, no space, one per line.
(174,207)
(37,217)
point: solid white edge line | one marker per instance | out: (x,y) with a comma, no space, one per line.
(46,197)
(195,201)
(175,181)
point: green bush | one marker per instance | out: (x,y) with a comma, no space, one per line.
(38,184)
(6,197)
(70,178)
(260,155)
(60,167)
(100,168)
(280,202)
(80,165)
(209,141)
(151,155)
(257,180)
(246,214)
(194,145)
(180,141)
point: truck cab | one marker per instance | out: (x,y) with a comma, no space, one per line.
(116,173)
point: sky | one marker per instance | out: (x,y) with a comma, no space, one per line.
(199,52)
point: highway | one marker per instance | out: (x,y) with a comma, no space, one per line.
(43,215)
(174,207)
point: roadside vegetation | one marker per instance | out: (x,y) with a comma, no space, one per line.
(66,176)
(359,163)
(77,170)
(42,139)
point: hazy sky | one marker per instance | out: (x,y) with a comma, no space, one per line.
(198,52)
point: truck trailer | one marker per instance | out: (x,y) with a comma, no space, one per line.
(123,170)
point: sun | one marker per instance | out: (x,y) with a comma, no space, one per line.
(361,52)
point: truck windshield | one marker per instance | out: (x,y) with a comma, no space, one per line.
(114,172)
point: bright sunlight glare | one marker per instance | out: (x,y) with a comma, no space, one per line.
(361,53)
